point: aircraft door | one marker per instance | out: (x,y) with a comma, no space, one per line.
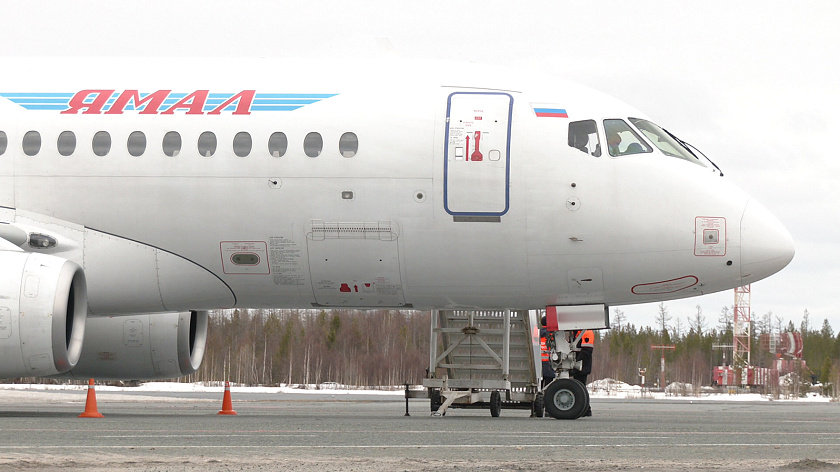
(476,171)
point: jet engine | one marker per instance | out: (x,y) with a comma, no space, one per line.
(43,307)
(142,347)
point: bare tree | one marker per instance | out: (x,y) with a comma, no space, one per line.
(678,328)
(698,321)
(662,318)
(765,324)
(805,326)
(725,319)
(778,323)
(618,319)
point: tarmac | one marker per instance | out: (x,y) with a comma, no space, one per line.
(176,431)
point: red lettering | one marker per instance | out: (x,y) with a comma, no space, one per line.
(193,103)
(93,102)
(244,98)
(150,102)
(93,107)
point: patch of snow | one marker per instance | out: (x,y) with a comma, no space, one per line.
(603,388)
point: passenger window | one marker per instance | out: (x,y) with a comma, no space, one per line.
(313,144)
(207,144)
(277,144)
(348,144)
(136,143)
(242,144)
(4,141)
(172,143)
(101,143)
(622,140)
(66,143)
(583,136)
(31,143)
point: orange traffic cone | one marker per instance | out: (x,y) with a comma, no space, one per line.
(90,405)
(227,405)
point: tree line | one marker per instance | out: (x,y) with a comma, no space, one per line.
(348,347)
(624,349)
(391,347)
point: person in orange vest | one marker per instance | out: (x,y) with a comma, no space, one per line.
(587,345)
(547,372)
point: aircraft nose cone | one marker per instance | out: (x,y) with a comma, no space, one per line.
(766,245)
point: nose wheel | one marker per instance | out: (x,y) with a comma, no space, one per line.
(566,399)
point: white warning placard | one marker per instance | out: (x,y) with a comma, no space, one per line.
(709,236)
(245,257)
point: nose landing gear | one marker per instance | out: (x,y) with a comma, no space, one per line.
(566,399)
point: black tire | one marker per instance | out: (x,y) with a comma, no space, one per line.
(495,404)
(566,399)
(539,405)
(434,400)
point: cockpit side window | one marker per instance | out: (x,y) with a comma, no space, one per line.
(664,141)
(583,136)
(622,140)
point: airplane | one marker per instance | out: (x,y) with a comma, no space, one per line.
(163,188)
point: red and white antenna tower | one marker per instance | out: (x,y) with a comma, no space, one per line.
(741,329)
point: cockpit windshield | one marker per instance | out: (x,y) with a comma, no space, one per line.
(622,140)
(665,141)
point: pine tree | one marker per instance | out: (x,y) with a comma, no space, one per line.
(825,377)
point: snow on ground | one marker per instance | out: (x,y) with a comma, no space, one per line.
(610,388)
(604,388)
(211,387)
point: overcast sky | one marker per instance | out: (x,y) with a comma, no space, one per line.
(754,84)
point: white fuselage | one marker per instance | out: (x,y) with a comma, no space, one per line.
(401,218)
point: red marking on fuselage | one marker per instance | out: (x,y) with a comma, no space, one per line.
(666,286)
(467,153)
(95,102)
(476,155)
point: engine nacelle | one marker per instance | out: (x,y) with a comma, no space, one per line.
(43,307)
(142,347)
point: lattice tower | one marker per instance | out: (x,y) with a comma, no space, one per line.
(741,328)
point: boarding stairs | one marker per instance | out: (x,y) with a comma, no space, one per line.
(484,358)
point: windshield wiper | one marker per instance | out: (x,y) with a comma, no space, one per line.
(704,156)
(689,147)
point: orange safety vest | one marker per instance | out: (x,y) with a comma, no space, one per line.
(544,355)
(588,339)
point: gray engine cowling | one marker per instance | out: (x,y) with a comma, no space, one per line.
(43,307)
(142,347)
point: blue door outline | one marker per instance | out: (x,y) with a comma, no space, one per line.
(448,160)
